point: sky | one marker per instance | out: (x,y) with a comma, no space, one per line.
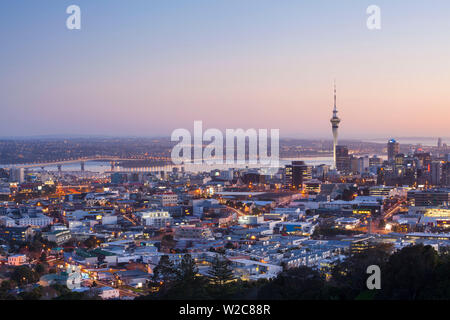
(148,67)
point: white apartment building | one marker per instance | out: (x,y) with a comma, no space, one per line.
(157,219)
(38,221)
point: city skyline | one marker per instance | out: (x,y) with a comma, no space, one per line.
(212,158)
(412,141)
(148,69)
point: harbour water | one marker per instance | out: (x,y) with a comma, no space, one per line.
(104,166)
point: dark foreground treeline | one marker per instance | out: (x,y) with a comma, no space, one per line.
(415,272)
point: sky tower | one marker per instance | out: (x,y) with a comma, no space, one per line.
(335,125)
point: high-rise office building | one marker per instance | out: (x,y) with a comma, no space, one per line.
(17,175)
(354,164)
(296,173)
(446,174)
(375,161)
(399,160)
(436,173)
(363,164)
(393,148)
(424,159)
(288,175)
(320,171)
(343,159)
(429,198)
(299,173)
(334,126)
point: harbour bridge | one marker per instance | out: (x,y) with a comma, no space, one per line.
(114,163)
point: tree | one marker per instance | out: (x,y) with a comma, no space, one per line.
(187,270)
(60,289)
(43,257)
(34,294)
(301,283)
(72,296)
(411,274)
(220,271)
(165,269)
(36,245)
(442,278)
(41,269)
(349,277)
(91,242)
(7,285)
(24,275)
(184,282)
(186,285)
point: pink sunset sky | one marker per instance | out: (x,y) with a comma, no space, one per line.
(150,67)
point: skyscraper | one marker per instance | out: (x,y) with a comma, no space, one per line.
(446,174)
(17,175)
(393,148)
(335,125)
(436,173)
(288,175)
(343,159)
(363,164)
(296,173)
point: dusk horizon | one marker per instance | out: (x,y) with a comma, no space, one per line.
(130,65)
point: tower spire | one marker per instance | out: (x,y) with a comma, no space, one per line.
(335,94)
(335,107)
(335,125)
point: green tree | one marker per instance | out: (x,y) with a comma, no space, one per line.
(24,275)
(43,257)
(4,288)
(411,274)
(165,269)
(60,289)
(349,277)
(187,284)
(75,296)
(301,283)
(91,242)
(7,285)
(220,271)
(442,278)
(34,294)
(41,269)
(187,269)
